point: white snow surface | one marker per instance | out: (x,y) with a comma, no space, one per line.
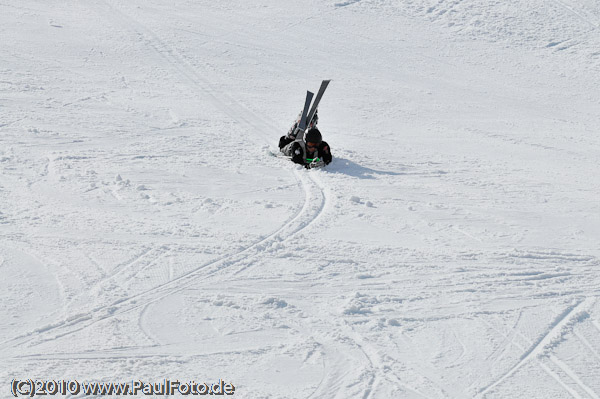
(450,250)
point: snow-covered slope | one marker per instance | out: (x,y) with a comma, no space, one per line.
(450,250)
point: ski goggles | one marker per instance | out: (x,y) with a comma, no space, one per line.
(312,145)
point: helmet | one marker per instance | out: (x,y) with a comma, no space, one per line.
(313,135)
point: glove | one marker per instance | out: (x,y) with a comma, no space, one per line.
(317,163)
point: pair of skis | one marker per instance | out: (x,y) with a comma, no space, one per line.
(307,116)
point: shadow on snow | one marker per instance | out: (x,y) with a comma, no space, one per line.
(347,167)
(351,168)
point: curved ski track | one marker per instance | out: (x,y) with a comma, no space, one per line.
(238,112)
(556,329)
(348,359)
(305,215)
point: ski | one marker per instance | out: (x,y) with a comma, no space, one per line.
(302,125)
(313,109)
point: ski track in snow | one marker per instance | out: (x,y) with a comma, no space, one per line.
(450,250)
(242,115)
(307,215)
(563,324)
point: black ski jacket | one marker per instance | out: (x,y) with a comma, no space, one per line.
(298,153)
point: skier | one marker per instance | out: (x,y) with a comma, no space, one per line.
(309,149)
(312,151)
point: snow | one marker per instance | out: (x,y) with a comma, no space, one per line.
(451,249)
